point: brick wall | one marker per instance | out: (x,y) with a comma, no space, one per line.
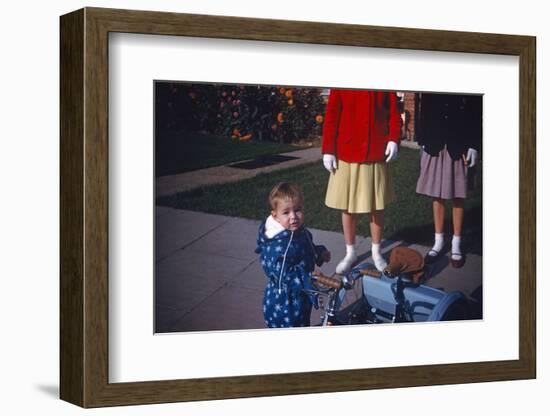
(409,108)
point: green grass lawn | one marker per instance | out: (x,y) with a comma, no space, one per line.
(178,152)
(409,218)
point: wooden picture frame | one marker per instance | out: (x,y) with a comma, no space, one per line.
(84,207)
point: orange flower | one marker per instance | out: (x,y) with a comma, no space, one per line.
(319,119)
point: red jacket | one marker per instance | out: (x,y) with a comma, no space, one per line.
(359,123)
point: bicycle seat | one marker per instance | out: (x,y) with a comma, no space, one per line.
(405,261)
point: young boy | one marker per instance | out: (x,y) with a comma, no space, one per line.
(288,256)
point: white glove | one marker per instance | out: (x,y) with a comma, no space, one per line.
(330,163)
(471,157)
(391,151)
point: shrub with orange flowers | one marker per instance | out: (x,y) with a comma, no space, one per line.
(246,112)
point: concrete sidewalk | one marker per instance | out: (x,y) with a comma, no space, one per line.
(172,184)
(208,280)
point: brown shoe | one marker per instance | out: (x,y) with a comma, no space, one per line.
(457,264)
(432,256)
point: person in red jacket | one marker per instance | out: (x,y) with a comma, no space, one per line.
(361,135)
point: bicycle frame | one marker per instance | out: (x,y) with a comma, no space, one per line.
(386,299)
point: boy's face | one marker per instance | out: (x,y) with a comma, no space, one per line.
(289,214)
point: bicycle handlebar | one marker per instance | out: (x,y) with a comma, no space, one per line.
(326,281)
(371,272)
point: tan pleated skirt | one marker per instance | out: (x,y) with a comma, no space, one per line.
(360,188)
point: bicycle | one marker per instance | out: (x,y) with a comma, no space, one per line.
(395,295)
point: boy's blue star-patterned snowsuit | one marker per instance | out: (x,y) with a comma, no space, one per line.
(288,260)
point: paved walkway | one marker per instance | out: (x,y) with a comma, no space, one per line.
(208,280)
(168,185)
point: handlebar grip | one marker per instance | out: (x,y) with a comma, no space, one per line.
(326,281)
(371,272)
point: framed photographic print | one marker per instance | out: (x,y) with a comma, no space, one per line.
(193,147)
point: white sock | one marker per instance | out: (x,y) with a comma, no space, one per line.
(455,247)
(439,242)
(379,261)
(375,249)
(345,264)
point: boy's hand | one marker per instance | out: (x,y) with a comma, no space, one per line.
(326,256)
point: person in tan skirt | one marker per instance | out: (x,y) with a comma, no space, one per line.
(361,135)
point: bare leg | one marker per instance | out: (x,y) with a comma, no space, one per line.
(458,216)
(376,226)
(349,225)
(438,205)
(457,259)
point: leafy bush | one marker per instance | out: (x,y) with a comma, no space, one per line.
(241,112)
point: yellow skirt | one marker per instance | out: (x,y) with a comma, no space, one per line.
(360,187)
